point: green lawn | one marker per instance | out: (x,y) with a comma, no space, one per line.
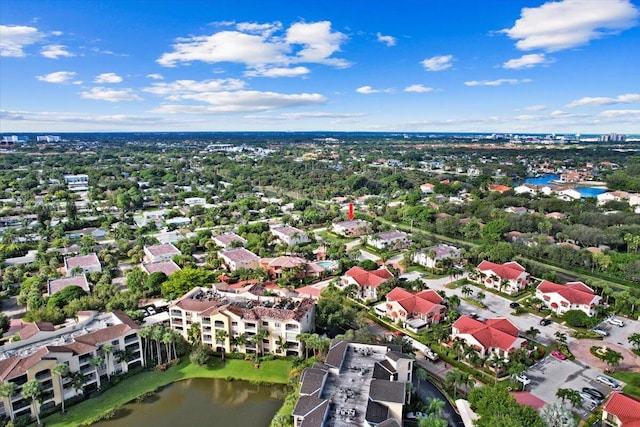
(274,371)
(633,382)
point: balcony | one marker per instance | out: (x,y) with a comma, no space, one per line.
(130,339)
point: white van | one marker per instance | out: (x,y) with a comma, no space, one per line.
(614,321)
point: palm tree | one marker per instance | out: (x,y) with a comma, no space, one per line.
(613,358)
(454,301)
(452,379)
(561,338)
(32,393)
(421,374)
(634,340)
(123,356)
(221,337)
(562,394)
(435,407)
(96,362)
(145,334)
(156,336)
(557,415)
(77,381)
(281,343)
(168,338)
(107,350)
(466,291)
(574,398)
(304,339)
(61,370)
(532,332)
(7,390)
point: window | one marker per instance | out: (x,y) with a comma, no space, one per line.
(234,323)
(277,325)
(265,323)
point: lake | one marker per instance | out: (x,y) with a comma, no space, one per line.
(203,402)
(584,191)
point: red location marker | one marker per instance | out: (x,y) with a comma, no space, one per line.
(351,214)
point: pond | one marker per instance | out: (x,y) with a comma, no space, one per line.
(203,402)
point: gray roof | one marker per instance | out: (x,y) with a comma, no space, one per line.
(397,355)
(312,380)
(389,423)
(307,404)
(387,391)
(335,356)
(376,412)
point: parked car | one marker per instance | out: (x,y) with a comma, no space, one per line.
(601,332)
(594,392)
(514,305)
(589,398)
(558,355)
(545,321)
(473,315)
(151,311)
(522,378)
(429,354)
(414,415)
(614,321)
(607,381)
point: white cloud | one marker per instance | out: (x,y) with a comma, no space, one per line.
(601,100)
(558,25)
(612,114)
(388,40)
(277,72)
(526,61)
(438,63)
(262,47)
(55,51)
(367,90)
(536,108)
(496,82)
(305,115)
(177,89)
(155,76)
(14,38)
(57,77)
(229,102)
(110,95)
(108,78)
(418,88)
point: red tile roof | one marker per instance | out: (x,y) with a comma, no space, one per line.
(423,302)
(59,284)
(33,328)
(510,270)
(369,278)
(163,250)
(82,261)
(494,333)
(626,408)
(166,267)
(574,292)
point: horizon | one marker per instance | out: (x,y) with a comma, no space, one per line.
(409,67)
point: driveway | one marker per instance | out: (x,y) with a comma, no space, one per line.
(550,374)
(619,335)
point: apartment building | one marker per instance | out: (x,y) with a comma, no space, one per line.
(279,320)
(77,345)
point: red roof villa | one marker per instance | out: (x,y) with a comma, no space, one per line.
(572,296)
(494,336)
(510,277)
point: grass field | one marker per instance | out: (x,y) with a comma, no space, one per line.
(274,371)
(633,382)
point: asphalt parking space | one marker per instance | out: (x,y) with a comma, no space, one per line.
(550,374)
(619,335)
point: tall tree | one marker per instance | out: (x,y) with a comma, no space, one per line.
(61,370)
(7,390)
(32,393)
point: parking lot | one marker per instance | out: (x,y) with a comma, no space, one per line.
(619,335)
(550,374)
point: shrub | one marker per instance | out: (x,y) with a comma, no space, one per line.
(579,319)
(200,355)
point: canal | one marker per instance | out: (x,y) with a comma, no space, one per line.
(203,402)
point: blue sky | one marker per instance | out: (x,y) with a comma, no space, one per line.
(569,66)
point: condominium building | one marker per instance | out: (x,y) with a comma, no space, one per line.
(242,316)
(77,345)
(358,385)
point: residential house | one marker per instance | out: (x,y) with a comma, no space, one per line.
(78,182)
(510,277)
(76,345)
(414,311)
(160,253)
(290,235)
(354,228)
(621,410)
(227,239)
(194,201)
(245,315)
(390,240)
(166,267)
(366,282)
(86,263)
(572,296)
(427,188)
(57,285)
(517,210)
(612,196)
(569,194)
(276,267)
(499,336)
(498,188)
(359,385)
(238,258)
(433,255)
(529,189)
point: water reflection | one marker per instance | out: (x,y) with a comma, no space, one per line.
(203,402)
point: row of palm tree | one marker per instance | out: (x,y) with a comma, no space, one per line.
(158,335)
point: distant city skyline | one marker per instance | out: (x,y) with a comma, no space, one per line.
(493,66)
